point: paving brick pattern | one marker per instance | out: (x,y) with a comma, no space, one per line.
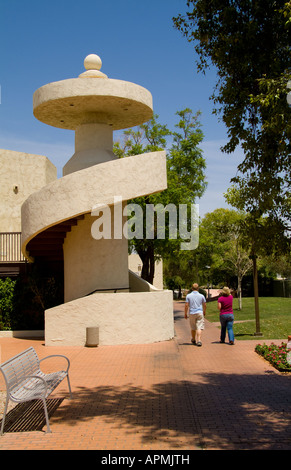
(163,396)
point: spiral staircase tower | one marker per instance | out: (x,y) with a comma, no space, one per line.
(57,220)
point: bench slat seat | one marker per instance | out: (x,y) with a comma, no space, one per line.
(25,380)
(33,388)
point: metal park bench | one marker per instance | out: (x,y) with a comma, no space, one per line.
(25,381)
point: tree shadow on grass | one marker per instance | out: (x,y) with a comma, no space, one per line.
(225,411)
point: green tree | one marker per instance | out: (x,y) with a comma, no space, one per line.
(221,247)
(185,176)
(7,286)
(263,236)
(278,265)
(249,44)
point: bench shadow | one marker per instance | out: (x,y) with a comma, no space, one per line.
(29,416)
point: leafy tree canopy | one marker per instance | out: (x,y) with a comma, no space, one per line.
(185,176)
(249,44)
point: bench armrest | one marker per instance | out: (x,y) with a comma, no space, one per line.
(39,378)
(57,355)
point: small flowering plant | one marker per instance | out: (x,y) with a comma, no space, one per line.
(278,356)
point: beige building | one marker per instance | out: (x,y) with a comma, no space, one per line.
(21,174)
(60,218)
(135,265)
(100,290)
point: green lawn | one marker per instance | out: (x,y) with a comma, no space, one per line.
(275,317)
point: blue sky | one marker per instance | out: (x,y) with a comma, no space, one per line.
(43,42)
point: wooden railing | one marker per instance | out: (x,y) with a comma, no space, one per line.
(10,247)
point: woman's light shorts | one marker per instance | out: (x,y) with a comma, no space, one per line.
(196,321)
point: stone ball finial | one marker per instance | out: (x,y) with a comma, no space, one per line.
(93,64)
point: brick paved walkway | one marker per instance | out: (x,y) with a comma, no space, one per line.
(165,396)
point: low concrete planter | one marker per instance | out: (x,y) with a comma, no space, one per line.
(22,334)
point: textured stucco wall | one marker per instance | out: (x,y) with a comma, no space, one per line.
(90,264)
(27,172)
(69,103)
(135,265)
(78,193)
(123,318)
(93,145)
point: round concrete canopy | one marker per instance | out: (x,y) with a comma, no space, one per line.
(92,98)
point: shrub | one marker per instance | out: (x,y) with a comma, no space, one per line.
(7,286)
(23,301)
(275,355)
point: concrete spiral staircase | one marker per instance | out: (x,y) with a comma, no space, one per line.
(57,220)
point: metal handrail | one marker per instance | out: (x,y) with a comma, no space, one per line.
(115,289)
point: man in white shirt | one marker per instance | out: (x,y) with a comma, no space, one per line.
(196,304)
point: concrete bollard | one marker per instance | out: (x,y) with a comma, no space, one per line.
(92,336)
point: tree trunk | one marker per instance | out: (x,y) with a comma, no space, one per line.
(239,280)
(148,264)
(256,295)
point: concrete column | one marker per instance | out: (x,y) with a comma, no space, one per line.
(93,145)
